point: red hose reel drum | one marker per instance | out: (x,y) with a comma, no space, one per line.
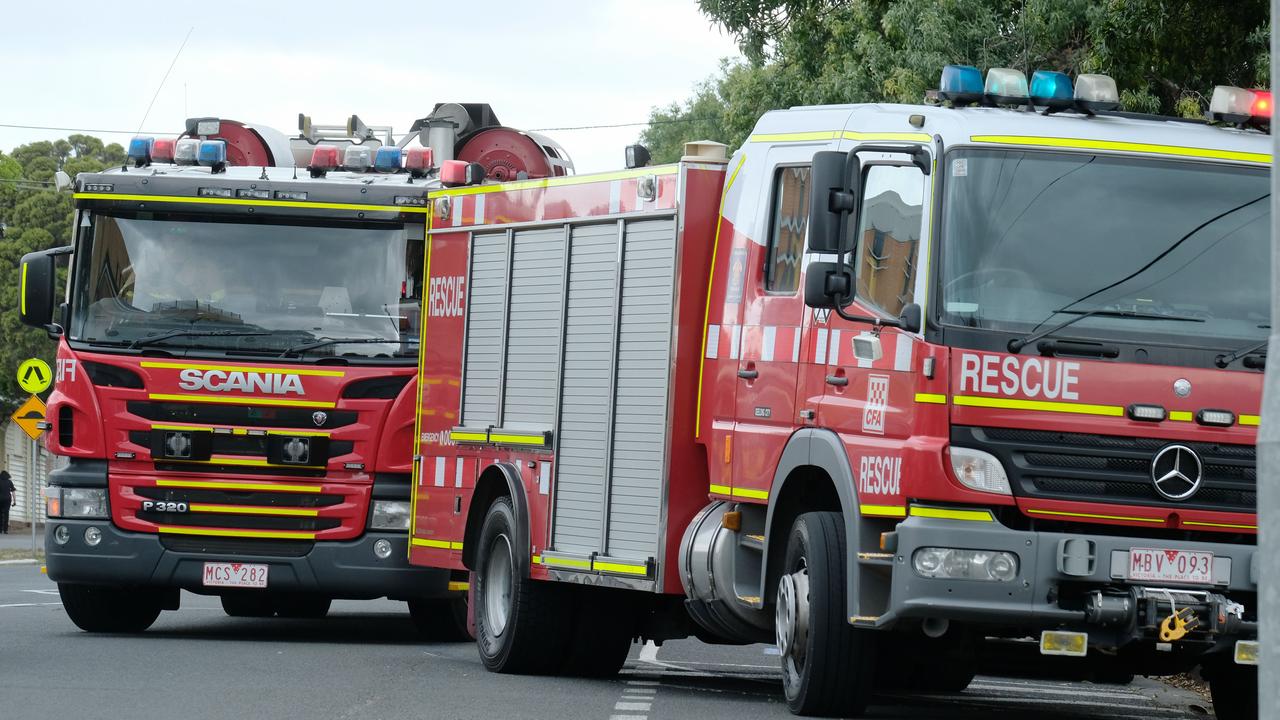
(505,153)
(245,147)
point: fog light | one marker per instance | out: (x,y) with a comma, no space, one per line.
(957,564)
(382,548)
(62,534)
(1057,642)
(1246,652)
(92,536)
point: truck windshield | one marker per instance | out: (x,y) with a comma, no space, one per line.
(253,288)
(1031,239)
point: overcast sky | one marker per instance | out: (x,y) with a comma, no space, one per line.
(540,64)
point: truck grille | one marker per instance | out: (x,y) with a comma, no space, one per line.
(232,415)
(1085,467)
(262,510)
(231,547)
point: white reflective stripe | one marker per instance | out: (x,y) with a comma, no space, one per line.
(835,348)
(735,341)
(439,472)
(457,474)
(864,363)
(479,210)
(766,343)
(713,341)
(795,345)
(902,353)
(455,211)
(544,478)
(821,354)
(615,197)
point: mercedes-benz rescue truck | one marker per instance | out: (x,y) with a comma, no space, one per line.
(889,386)
(235,368)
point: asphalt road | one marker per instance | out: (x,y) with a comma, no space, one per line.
(365,662)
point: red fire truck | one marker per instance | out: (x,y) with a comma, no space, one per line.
(235,368)
(890,386)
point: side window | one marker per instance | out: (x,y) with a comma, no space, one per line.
(787,229)
(889,236)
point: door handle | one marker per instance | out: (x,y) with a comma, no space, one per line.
(748,374)
(837,380)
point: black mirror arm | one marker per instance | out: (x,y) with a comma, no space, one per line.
(919,156)
(879,323)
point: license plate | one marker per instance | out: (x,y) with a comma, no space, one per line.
(1180,566)
(243,575)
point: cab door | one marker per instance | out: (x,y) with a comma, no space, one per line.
(870,401)
(772,322)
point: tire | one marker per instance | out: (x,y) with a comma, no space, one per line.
(1235,691)
(97,608)
(1112,677)
(827,665)
(523,626)
(302,606)
(602,634)
(248,604)
(925,665)
(441,620)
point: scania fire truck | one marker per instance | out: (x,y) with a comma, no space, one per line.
(890,386)
(235,368)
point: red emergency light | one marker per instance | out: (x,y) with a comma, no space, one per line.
(323,159)
(1261,107)
(162,150)
(459,172)
(418,161)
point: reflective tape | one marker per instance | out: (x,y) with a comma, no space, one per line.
(240,400)
(1116,146)
(216,532)
(931,398)
(438,544)
(242,368)
(1064,513)
(883,510)
(1038,405)
(253,510)
(211,485)
(952,514)
(300,204)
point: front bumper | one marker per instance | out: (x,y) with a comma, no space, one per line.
(338,569)
(1044,595)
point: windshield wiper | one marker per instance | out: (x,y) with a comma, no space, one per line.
(296,349)
(1225,360)
(1018,343)
(143,342)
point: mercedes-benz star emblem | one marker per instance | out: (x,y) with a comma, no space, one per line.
(1182,387)
(1176,472)
(319,418)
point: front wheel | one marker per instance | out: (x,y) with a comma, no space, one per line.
(441,620)
(827,665)
(522,625)
(303,607)
(1235,691)
(248,604)
(97,608)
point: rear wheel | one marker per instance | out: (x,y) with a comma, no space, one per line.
(522,625)
(601,634)
(97,608)
(1235,691)
(302,606)
(827,665)
(248,604)
(441,620)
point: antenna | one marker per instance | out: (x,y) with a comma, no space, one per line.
(166,77)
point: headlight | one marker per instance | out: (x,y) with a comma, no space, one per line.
(390,515)
(76,503)
(956,564)
(979,471)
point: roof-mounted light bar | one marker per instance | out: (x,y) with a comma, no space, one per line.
(1005,86)
(961,84)
(1240,106)
(1052,89)
(1096,93)
(1092,93)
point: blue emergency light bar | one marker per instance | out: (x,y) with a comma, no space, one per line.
(212,153)
(387,159)
(140,151)
(961,84)
(1052,89)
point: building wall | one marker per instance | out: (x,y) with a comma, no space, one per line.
(17,452)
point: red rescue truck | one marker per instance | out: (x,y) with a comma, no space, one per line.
(236,368)
(889,386)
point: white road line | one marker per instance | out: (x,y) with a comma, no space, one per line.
(649,653)
(644,682)
(632,706)
(43,592)
(22,605)
(17,562)
(628,717)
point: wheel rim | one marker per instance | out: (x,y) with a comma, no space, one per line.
(791,625)
(497,585)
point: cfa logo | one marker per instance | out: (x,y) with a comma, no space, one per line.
(220,381)
(446,295)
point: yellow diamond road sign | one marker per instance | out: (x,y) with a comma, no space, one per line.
(30,416)
(34,375)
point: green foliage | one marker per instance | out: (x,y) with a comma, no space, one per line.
(1166,55)
(36,219)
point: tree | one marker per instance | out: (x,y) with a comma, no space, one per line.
(1166,55)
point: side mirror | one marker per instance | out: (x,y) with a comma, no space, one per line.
(824,281)
(911,319)
(35,292)
(834,196)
